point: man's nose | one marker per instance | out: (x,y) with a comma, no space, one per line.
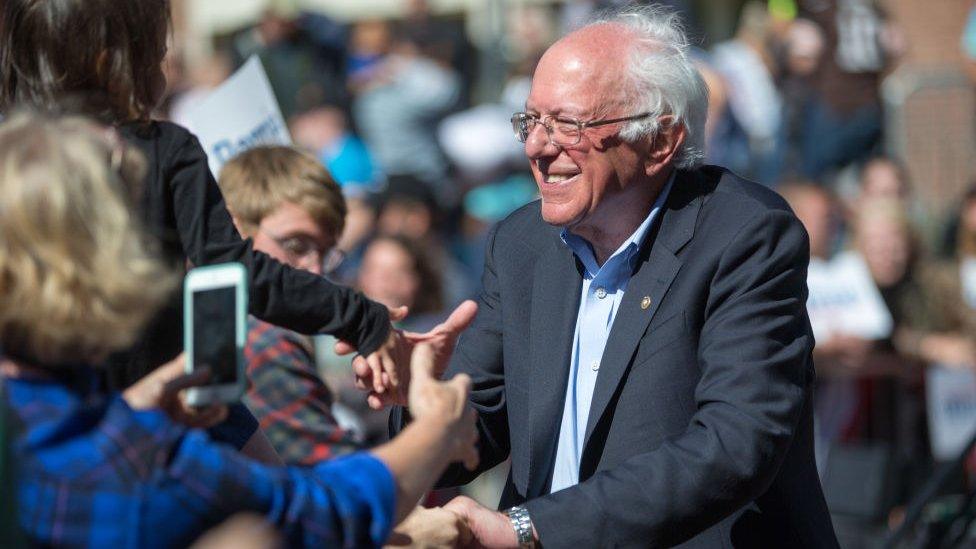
(539,144)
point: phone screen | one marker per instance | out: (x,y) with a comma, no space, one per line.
(214,333)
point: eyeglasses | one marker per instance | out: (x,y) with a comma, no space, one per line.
(564,132)
(301,248)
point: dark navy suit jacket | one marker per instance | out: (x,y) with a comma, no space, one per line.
(700,428)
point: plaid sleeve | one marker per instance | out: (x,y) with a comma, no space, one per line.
(289,399)
(346,502)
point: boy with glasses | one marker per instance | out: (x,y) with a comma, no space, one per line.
(289,205)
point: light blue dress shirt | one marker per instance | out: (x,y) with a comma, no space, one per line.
(603,289)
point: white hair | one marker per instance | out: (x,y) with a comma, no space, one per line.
(663,79)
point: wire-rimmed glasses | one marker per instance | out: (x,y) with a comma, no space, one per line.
(561,131)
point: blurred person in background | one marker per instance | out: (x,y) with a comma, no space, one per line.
(929,329)
(843,123)
(822,217)
(302,53)
(884,178)
(398,102)
(408,208)
(800,55)
(396,270)
(85,55)
(746,63)
(442,39)
(79,283)
(924,299)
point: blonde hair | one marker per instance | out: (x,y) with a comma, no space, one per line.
(77,280)
(257,181)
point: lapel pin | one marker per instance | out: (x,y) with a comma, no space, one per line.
(646,302)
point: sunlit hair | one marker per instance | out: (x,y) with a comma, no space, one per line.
(99,57)
(256,182)
(77,279)
(663,79)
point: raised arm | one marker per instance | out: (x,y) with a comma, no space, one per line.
(287,297)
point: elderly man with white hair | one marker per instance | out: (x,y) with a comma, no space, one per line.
(642,350)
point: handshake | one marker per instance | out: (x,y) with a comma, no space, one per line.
(407,371)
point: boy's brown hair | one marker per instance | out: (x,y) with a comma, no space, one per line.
(257,181)
(102,56)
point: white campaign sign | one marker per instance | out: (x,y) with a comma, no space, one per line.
(240,114)
(844,300)
(951,402)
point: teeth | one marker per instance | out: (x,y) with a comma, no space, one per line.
(558,178)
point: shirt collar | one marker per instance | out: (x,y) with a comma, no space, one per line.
(626,254)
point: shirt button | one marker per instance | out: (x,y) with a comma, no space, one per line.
(595,365)
(601,292)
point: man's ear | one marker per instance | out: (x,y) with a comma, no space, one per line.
(664,146)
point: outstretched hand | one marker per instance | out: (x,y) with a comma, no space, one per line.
(385,374)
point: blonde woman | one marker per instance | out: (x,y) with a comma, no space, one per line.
(77,282)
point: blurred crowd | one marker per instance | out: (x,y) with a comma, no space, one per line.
(420,165)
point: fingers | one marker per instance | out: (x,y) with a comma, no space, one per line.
(199,376)
(390,377)
(363,375)
(422,363)
(376,370)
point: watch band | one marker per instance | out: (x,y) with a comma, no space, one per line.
(519,517)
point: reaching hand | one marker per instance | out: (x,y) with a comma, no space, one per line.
(445,402)
(385,374)
(162,389)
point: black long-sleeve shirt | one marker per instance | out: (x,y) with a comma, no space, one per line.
(184,209)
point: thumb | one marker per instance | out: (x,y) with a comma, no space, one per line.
(422,363)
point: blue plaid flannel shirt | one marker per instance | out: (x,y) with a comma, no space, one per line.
(93,472)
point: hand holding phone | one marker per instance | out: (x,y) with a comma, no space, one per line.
(215,330)
(161,389)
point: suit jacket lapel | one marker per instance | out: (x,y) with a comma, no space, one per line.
(651,281)
(555,302)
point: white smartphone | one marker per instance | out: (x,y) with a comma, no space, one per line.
(215,330)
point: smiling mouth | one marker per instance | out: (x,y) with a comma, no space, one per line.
(559,179)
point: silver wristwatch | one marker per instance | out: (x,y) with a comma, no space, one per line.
(519,517)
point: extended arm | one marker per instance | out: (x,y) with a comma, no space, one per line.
(287,297)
